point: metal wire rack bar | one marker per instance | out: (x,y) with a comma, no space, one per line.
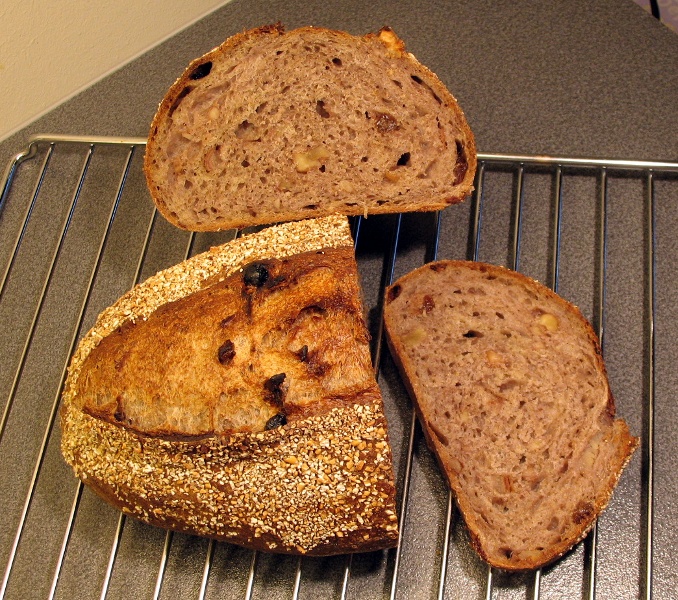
(650,437)
(517,164)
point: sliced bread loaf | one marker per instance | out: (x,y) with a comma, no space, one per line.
(275,126)
(511,390)
(233,396)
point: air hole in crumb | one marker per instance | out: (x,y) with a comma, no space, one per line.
(472,334)
(241,130)
(364,159)
(461,165)
(201,71)
(397,83)
(476,313)
(321,110)
(260,107)
(322,168)
(185,92)
(310,206)
(336,61)
(404,159)
(420,81)
(500,315)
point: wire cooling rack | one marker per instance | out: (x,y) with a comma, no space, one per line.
(78,228)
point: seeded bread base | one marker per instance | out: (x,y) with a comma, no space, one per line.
(509,384)
(275,126)
(319,485)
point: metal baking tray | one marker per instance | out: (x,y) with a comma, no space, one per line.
(78,228)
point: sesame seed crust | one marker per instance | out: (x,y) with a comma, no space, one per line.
(319,485)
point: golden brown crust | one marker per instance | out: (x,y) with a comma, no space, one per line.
(320,484)
(613,435)
(281,337)
(275,198)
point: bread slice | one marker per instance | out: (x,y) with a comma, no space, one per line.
(276,126)
(233,396)
(511,390)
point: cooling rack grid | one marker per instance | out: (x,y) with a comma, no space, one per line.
(78,228)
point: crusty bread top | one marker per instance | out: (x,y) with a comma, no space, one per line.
(274,126)
(511,388)
(321,484)
(279,341)
(189,276)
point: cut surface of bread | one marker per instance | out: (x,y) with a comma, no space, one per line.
(275,126)
(233,396)
(511,390)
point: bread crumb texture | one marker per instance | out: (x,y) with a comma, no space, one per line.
(510,385)
(274,126)
(319,484)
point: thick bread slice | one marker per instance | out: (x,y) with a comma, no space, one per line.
(511,390)
(233,396)
(275,126)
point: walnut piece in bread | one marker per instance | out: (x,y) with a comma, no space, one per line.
(275,126)
(232,396)
(510,387)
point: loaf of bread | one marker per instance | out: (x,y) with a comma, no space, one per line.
(512,393)
(233,396)
(275,126)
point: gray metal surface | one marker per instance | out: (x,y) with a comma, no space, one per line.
(77,229)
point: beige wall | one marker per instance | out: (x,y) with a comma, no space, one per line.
(51,49)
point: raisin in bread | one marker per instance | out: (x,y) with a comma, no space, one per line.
(511,390)
(275,126)
(233,396)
